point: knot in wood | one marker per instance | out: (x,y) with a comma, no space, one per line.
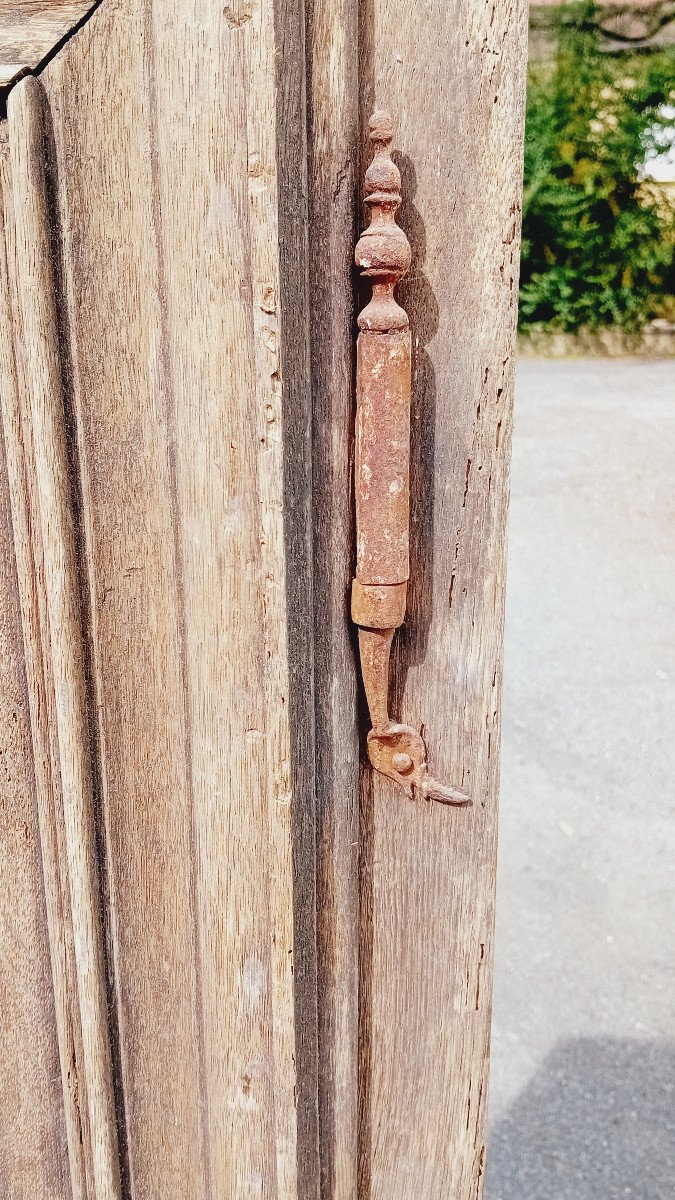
(383,250)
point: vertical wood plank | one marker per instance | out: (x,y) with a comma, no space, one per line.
(453,79)
(103,160)
(191,443)
(332,72)
(33,1120)
(27,545)
(294,360)
(232,503)
(33,1148)
(61,583)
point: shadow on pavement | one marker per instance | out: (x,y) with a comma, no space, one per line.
(597,1122)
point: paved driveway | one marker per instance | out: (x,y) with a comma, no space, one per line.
(583,1068)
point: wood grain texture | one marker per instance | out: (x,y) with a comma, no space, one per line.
(44,751)
(332,75)
(296,430)
(31,29)
(33,1144)
(167,225)
(45,411)
(452,77)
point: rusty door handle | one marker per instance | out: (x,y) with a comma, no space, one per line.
(382,471)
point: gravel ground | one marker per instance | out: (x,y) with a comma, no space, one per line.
(582,1094)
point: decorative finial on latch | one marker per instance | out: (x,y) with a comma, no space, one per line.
(382,472)
(383,250)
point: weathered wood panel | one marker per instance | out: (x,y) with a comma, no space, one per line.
(61,633)
(453,78)
(173,328)
(166,231)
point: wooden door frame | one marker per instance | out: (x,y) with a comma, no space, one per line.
(379,919)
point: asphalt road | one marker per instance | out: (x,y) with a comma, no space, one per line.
(582,1093)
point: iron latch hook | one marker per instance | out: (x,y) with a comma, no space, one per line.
(382,473)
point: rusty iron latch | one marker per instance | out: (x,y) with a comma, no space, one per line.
(382,471)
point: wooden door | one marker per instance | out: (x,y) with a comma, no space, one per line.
(232,963)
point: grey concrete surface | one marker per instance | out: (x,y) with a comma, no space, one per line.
(582,1092)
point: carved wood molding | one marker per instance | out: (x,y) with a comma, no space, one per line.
(44,521)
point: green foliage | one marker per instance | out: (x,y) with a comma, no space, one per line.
(598,244)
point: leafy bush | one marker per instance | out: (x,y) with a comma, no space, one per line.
(598,244)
